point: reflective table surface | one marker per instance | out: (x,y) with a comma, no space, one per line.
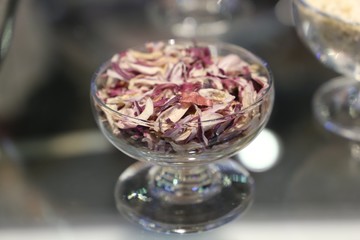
(58,172)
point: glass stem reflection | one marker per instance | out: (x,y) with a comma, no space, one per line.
(185,185)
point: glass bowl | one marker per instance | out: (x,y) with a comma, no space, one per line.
(198,18)
(336,43)
(179,186)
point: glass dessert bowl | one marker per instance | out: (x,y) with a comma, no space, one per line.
(331,29)
(198,18)
(181,121)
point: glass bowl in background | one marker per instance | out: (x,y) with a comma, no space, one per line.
(197,18)
(189,187)
(336,43)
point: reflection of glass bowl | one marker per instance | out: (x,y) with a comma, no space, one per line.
(197,18)
(179,188)
(336,43)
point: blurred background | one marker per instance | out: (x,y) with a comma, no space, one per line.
(57,172)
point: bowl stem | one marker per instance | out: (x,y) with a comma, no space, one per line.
(185,185)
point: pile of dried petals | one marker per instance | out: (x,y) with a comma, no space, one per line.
(178,96)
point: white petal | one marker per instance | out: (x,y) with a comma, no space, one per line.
(148,110)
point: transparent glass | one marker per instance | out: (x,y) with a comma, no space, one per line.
(336,43)
(191,187)
(197,18)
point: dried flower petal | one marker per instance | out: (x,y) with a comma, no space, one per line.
(148,110)
(216,95)
(231,63)
(195,98)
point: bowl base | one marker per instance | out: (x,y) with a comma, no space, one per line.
(136,199)
(337,107)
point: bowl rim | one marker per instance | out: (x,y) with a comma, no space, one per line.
(217,44)
(307,5)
